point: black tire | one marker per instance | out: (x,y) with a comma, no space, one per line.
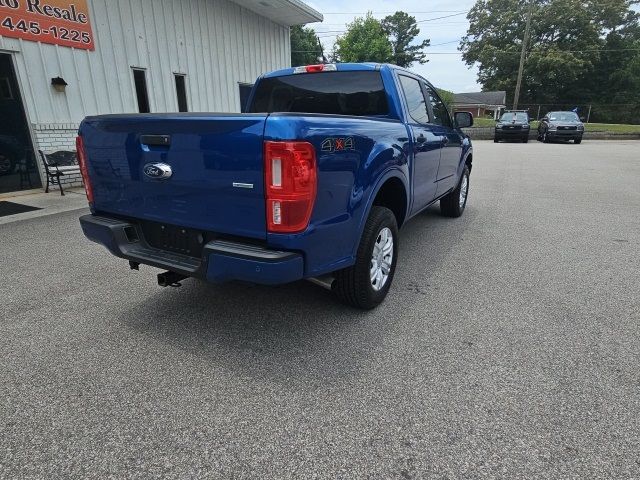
(577,141)
(525,140)
(545,137)
(353,285)
(496,140)
(450,204)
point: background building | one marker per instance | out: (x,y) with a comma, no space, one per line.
(87,57)
(480,104)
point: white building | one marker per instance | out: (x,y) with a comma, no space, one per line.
(125,56)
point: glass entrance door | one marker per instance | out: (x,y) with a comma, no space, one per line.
(18,163)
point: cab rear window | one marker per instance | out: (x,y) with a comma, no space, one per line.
(336,93)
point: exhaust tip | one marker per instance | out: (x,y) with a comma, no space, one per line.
(170,279)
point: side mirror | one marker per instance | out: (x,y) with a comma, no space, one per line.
(582,119)
(464,119)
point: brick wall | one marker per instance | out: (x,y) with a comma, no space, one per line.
(53,137)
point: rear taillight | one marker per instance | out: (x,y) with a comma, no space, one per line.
(290,185)
(84,171)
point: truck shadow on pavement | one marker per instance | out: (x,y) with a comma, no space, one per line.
(296,330)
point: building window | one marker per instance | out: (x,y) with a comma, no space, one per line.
(5,89)
(140,79)
(181,91)
(245,91)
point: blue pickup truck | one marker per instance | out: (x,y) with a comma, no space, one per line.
(314,182)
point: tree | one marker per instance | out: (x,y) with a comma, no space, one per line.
(563,51)
(616,76)
(364,41)
(402,29)
(446,96)
(305,47)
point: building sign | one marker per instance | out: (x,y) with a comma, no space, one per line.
(61,22)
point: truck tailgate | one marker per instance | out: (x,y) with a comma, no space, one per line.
(216,163)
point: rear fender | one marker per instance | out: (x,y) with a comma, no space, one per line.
(348,180)
(393,172)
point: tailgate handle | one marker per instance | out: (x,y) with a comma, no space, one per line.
(156,140)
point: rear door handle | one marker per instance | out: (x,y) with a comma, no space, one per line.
(421,138)
(156,140)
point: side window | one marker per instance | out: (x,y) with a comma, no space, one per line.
(245,91)
(416,103)
(440,113)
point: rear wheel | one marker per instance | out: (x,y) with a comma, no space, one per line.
(453,204)
(495,140)
(525,140)
(366,284)
(577,140)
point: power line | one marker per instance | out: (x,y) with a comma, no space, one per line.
(325,32)
(384,13)
(440,18)
(443,43)
(332,33)
(533,52)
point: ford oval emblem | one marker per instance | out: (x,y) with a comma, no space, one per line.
(158,171)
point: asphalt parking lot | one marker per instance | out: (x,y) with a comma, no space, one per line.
(509,347)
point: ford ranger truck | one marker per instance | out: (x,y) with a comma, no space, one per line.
(313,183)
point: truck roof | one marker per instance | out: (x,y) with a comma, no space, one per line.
(340,67)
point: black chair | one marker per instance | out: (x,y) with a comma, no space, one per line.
(53,173)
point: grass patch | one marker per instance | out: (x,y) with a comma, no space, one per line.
(611,128)
(483,122)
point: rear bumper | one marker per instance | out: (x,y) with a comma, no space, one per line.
(221,260)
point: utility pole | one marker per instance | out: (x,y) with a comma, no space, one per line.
(525,40)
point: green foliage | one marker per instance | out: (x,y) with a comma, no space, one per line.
(446,96)
(565,60)
(364,41)
(402,30)
(305,49)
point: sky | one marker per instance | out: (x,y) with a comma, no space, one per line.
(444,71)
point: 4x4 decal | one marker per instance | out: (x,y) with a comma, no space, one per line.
(338,144)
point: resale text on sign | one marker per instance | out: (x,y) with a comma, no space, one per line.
(61,22)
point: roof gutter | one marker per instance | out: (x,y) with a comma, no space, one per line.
(312,12)
(283,12)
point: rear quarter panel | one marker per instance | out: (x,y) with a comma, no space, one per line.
(348,179)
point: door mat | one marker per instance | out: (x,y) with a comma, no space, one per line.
(10,208)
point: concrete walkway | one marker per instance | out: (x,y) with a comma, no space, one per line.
(50,203)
